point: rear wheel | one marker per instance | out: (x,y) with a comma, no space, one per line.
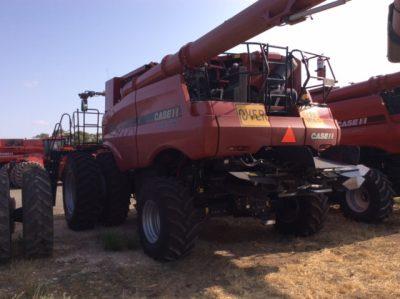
(5,217)
(83,191)
(373,202)
(117,187)
(168,221)
(303,215)
(37,204)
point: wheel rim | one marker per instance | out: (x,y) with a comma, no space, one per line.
(358,200)
(151,221)
(69,194)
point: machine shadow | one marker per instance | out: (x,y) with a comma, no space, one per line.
(233,257)
(228,233)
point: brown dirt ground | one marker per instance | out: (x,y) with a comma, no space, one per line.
(233,258)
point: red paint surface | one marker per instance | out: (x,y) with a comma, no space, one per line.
(136,135)
(15,150)
(204,129)
(364,100)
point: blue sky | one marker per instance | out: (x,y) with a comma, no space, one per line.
(53,49)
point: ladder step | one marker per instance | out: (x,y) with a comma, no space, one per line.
(278,95)
(277,62)
(276,79)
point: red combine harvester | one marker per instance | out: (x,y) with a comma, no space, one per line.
(207,133)
(369,115)
(18,155)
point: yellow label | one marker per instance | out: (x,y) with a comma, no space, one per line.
(252,115)
(313,120)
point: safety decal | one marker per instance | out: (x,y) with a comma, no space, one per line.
(289,137)
(252,115)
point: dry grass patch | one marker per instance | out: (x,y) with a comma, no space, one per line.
(234,258)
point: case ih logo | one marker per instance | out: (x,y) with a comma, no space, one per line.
(322,136)
(376,119)
(167,114)
(353,122)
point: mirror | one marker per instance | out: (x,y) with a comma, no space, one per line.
(394,32)
(84,105)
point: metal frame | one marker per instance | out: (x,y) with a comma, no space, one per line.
(306,57)
(287,83)
(74,135)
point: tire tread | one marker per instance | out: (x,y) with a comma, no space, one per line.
(38,222)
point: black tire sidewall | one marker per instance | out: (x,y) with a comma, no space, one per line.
(5,218)
(116,190)
(311,215)
(89,191)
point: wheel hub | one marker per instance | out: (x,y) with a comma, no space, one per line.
(151,221)
(358,200)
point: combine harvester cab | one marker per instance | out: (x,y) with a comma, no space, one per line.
(207,133)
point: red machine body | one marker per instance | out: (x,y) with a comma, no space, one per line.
(368,113)
(18,150)
(210,133)
(152,109)
(162,116)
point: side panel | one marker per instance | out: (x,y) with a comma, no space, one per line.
(168,120)
(321,129)
(365,122)
(245,128)
(119,131)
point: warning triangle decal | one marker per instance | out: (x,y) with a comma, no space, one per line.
(289,136)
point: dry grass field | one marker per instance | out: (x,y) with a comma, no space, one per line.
(233,258)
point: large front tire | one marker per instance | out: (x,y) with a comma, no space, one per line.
(37,205)
(5,220)
(117,188)
(371,203)
(303,215)
(83,191)
(169,223)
